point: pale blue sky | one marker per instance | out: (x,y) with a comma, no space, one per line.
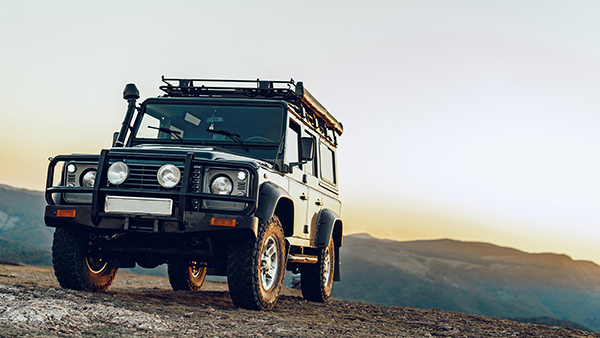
(473,120)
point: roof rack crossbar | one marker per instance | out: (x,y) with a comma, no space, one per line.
(294,93)
(165,80)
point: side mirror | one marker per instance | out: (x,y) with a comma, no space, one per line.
(115,138)
(307,149)
(307,153)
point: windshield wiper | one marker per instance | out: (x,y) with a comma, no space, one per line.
(175,133)
(233,136)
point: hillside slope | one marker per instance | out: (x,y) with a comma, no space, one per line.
(32,305)
(475,278)
(23,236)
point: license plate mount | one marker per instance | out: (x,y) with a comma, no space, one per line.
(138,205)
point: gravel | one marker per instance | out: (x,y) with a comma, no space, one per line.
(33,305)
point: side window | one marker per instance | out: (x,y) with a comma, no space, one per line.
(311,166)
(291,142)
(327,161)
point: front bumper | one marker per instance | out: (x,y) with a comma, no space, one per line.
(194,222)
(183,219)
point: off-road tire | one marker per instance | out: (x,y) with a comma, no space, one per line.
(316,281)
(73,265)
(247,264)
(186,276)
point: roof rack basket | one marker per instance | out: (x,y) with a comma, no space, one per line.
(289,91)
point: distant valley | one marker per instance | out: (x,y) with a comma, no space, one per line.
(468,277)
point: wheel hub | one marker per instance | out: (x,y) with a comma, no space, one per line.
(95,265)
(268,263)
(194,269)
(327,266)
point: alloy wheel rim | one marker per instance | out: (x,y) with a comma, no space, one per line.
(95,265)
(268,263)
(327,266)
(194,269)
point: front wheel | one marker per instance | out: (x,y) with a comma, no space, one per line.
(75,268)
(316,280)
(188,276)
(256,268)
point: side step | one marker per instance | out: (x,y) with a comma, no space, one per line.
(307,259)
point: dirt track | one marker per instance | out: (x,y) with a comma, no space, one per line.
(33,305)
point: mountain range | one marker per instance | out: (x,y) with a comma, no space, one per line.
(468,277)
(23,236)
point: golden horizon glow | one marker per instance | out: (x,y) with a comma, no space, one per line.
(467,120)
(415,223)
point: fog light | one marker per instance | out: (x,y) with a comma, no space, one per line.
(117,173)
(168,176)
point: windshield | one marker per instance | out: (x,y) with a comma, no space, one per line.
(248,130)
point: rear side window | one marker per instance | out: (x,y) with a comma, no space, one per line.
(327,161)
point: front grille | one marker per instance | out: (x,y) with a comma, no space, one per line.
(71,180)
(143,176)
(196,186)
(196,183)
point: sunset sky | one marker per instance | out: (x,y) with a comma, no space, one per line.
(471,120)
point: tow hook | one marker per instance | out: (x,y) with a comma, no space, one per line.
(105,237)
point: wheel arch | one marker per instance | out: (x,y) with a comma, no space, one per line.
(338,233)
(330,225)
(274,200)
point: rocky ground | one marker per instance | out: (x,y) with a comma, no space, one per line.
(33,305)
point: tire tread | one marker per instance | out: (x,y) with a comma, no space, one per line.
(67,249)
(241,277)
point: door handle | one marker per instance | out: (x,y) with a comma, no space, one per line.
(319,203)
(303,197)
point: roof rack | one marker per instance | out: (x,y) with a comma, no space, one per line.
(289,91)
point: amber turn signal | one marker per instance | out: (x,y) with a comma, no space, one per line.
(222,222)
(65,213)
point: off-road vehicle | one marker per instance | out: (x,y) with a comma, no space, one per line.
(231,178)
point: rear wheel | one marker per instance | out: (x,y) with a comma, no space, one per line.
(74,266)
(316,280)
(187,276)
(256,268)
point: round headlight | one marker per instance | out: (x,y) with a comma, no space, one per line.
(241,175)
(117,173)
(168,176)
(88,178)
(221,185)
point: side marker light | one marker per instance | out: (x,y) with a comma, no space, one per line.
(65,213)
(222,222)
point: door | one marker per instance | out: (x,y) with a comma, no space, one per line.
(297,189)
(315,198)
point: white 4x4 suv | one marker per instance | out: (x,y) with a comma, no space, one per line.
(222,177)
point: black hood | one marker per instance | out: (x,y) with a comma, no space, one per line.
(210,153)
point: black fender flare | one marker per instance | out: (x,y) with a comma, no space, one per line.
(326,227)
(273,199)
(329,225)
